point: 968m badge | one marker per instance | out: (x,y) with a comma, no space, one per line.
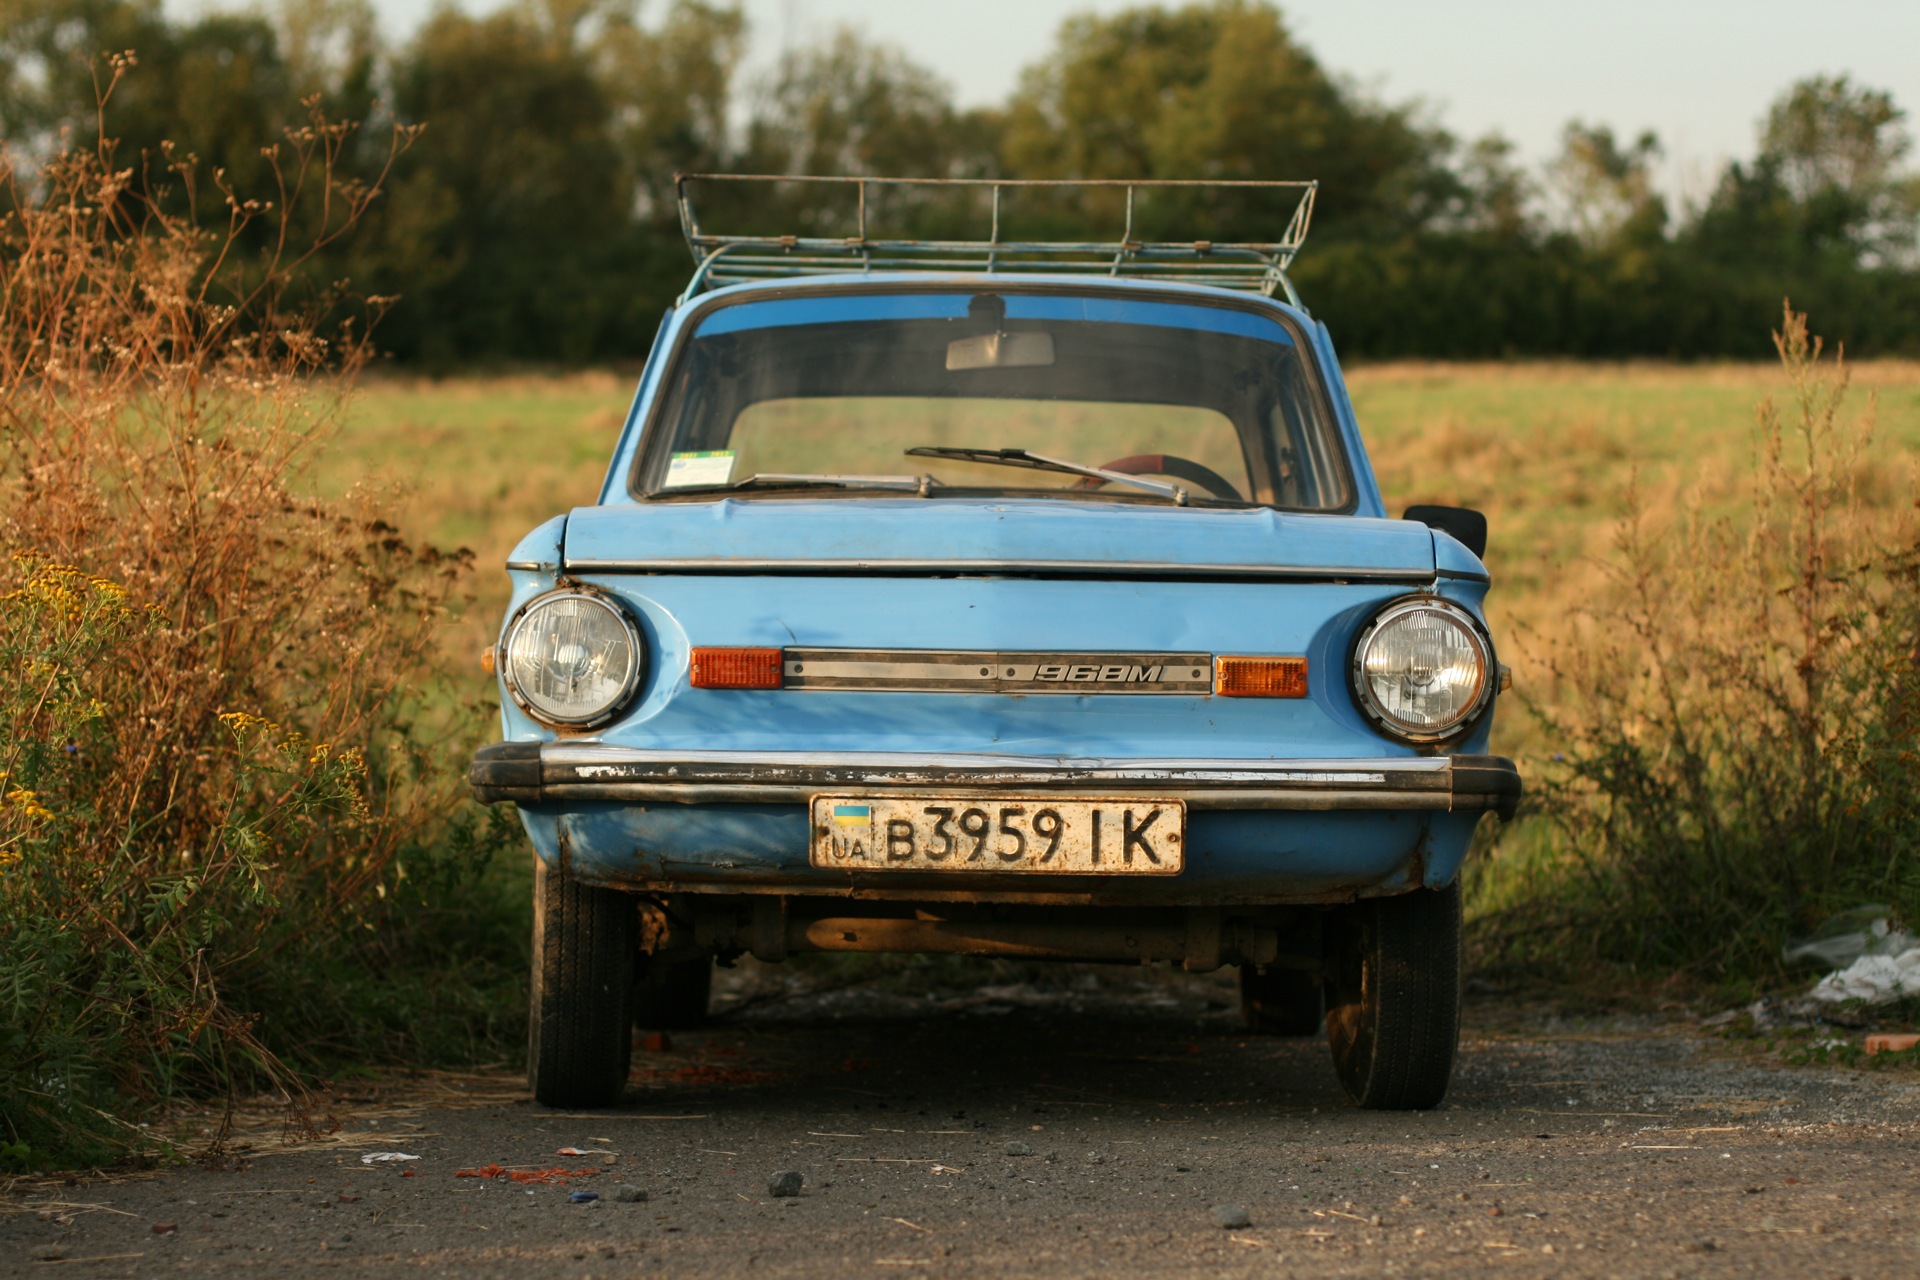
(1127,836)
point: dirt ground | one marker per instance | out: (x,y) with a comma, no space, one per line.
(1102,1124)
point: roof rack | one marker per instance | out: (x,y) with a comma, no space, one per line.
(1258,267)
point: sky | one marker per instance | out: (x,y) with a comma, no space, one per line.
(1699,73)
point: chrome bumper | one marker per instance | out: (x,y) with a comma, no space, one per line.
(549,772)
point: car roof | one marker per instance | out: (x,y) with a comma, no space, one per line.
(988,282)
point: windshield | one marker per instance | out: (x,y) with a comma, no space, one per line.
(1032,393)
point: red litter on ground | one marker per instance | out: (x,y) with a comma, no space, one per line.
(524,1176)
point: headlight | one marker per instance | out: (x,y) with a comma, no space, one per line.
(1422,668)
(572,659)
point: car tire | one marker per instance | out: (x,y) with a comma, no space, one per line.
(1393,997)
(673,995)
(580,1025)
(1279,1002)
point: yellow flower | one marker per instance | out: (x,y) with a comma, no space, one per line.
(242,720)
(21,798)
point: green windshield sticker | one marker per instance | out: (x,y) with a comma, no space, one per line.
(685,470)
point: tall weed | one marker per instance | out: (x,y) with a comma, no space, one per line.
(1737,719)
(228,834)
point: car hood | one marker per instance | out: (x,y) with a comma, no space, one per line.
(942,535)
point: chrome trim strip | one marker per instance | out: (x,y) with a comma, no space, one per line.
(1354,573)
(998,671)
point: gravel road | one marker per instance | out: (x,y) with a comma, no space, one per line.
(1107,1122)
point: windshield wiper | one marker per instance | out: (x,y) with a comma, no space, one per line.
(1040,462)
(765,480)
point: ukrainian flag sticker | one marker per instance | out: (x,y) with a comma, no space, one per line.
(852,815)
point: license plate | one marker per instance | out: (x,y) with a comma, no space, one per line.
(1003,834)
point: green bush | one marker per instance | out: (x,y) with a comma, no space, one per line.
(231,852)
(1739,749)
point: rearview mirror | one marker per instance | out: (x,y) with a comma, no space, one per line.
(1000,351)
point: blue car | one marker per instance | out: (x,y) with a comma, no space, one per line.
(1001,598)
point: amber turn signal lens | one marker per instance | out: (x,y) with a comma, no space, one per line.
(1260,677)
(736,669)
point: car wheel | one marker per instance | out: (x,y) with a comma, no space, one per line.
(1393,997)
(1279,1002)
(580,1027)
(672,996)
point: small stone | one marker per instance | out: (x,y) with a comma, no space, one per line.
(1232,1217)
(784,1184)
(630,1195)
(1018,1149)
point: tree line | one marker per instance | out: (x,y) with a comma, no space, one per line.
(534,220)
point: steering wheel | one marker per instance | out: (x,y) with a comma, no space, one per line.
(1166,464)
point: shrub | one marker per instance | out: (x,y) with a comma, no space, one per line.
(1739,755)
(218,726)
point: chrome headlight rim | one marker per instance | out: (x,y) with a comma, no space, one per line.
(1384,721)
(635,675)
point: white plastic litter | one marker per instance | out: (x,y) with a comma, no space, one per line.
(386,1157)
(1872,980)
(1864,931)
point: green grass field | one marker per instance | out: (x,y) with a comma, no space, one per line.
(1549,451)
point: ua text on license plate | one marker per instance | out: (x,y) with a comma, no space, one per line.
(973,834)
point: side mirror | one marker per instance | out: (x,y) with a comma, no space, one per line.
(1468,527)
